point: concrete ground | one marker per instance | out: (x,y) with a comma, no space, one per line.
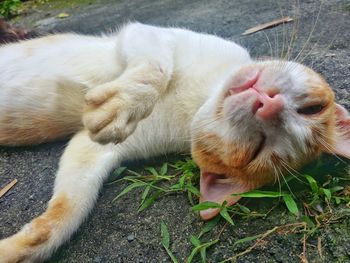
(115,231)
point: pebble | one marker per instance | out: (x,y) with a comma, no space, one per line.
(130,238)
(97,259)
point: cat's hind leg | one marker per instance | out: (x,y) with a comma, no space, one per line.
(83,167)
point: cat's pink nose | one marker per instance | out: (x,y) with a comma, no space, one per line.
(268,106)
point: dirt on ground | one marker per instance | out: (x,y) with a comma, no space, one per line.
(115,231)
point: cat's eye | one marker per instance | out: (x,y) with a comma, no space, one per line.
(311,110)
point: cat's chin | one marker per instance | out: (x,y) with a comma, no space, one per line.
(219,188)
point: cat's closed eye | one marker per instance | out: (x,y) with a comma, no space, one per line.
(311,109)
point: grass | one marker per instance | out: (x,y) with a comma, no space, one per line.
(9,8)
(309,196)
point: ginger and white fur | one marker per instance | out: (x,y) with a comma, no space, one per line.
(147,91)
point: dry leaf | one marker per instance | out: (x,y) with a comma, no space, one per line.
(7,187)
(63,15)
(268,25)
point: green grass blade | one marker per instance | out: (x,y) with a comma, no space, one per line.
(164,234)
(260,194)
(326,192)
(152,170)
(312,183)
(205,205)
(209,226)
(166,241)
(171,255)
(193,190)
(197,249)
(119,171)
(195,241)
(164,169)
(203,252)
(149,201)
(145,194)
(291,204)
(224,214)
(245,240)
(129,188)
(243,208)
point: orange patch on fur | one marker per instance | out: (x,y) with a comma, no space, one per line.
(42,226)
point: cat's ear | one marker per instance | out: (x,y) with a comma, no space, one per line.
(219,188)
(342,136)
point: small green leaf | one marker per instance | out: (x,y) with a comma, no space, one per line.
(164,169)
(176,187)
(209,225)
(195,241)
(145,193)
(149,201)
(164,234)
(182,180)
(245,240)
(166,241)
(152,170)
(312,183)
(198,248)
(326,192)
(260,194)
(243,208)
(205,205)
(129,188)
(337,200)
(193,190)
(224,214)
(117,172)
(203,252)
(291,204)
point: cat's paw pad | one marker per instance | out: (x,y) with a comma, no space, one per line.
(111,113)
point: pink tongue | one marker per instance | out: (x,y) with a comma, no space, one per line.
(217,188)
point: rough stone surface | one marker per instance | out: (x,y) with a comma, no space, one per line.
(323,38)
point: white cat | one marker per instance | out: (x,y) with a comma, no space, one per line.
(150,91)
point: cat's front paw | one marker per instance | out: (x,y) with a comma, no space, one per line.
(113,110)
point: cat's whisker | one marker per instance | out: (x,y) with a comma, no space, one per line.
(329,148)
(294,33)
(310,34)
(265,34)
(290,170)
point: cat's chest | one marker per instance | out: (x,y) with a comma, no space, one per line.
(202,63)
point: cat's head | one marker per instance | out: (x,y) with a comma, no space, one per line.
(266,119)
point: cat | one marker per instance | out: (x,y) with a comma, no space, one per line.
(9,33)
(146,91)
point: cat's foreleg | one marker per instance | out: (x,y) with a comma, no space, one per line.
(83,167)
(113,109)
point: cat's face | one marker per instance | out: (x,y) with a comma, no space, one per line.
(268,118)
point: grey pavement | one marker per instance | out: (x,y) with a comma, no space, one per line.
(104,235)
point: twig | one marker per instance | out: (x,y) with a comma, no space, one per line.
(319,247)
(303,258)
(4,190)
(262,237)
(273,23)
